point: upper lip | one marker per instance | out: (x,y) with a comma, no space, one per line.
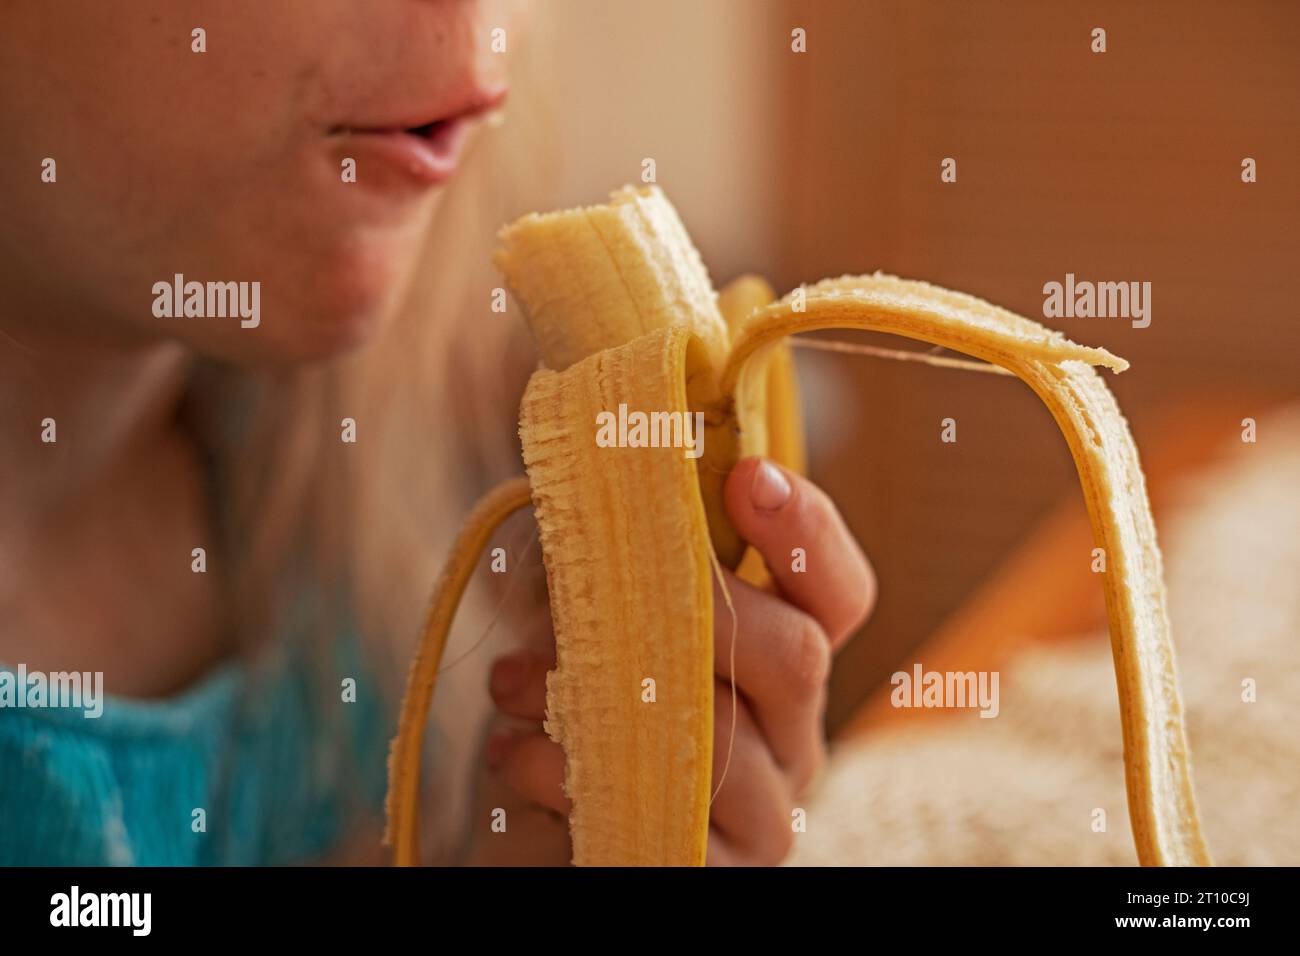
(475,101)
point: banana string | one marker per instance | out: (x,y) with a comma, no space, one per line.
(502,604)
(900,355)
(735,632)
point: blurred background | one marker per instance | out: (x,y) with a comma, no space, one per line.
(1117,166)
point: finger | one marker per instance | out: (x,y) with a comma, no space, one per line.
(532,765)
(777,512)
(782,664)
(518,685)
(749,809)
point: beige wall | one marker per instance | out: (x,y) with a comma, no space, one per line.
(685,83)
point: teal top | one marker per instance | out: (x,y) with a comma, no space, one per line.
(280,763)
(266,761)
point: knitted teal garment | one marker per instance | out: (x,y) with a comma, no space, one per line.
(277,761)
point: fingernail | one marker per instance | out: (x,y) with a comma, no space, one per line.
(497,746)
(507,676)
(769,490)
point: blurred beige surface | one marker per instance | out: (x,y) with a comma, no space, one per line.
(1020,789)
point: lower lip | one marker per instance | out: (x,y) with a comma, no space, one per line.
(428,160)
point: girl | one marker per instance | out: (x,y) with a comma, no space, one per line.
(234,516)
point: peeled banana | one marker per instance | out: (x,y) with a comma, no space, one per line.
(624,314)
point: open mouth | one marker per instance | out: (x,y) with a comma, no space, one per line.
(430,153)
(428,130)
(427,153)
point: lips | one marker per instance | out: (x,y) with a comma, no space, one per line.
(426,146)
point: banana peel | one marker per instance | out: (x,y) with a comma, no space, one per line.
(624,313)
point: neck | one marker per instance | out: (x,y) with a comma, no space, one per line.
(100,402)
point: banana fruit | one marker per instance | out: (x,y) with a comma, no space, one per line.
(625,317)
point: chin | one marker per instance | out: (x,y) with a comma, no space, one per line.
(340,334)
(350,304)
(325,332)
(332,297)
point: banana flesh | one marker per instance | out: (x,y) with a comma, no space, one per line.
(631,698)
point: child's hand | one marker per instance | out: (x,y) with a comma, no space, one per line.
(783,658)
